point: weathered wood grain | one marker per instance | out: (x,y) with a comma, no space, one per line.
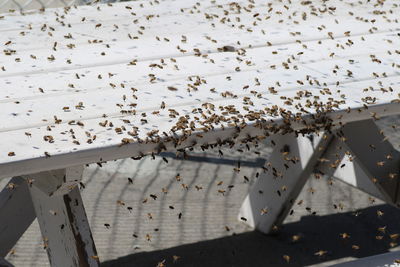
(62,220)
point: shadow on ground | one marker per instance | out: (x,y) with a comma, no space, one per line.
(256,249)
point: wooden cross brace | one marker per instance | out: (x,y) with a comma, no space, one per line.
(54,198)
(357,154)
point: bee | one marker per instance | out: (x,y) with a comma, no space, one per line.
(264,211)
(161,263)
(30,181)
(171,88)
(52,212)
(344,235)
(148,237)
(286,258)
(120,203)
(320,253)
(198,188)
(11,186)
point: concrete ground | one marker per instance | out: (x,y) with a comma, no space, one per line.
(208,232)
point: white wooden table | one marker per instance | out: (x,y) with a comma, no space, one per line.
(98,83)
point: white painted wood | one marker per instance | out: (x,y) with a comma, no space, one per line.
(65,86)
(374,155)
(63,222)
(261,56)
(61,118)
(274,193)
(104,100)
(173,23)
(336,164)
(355,157)
(352,156)
(16,213)
(57,182)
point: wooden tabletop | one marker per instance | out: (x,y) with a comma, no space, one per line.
(94,83)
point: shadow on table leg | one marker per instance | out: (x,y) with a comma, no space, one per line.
(256,249)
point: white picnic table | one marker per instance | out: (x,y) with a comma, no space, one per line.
(90,84)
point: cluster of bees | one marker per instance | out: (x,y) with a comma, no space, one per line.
(315,103)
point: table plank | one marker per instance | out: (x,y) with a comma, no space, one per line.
(261,57)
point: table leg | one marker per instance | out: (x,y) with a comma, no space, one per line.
(290,165)
(362,157)
(16,213)
(62,218)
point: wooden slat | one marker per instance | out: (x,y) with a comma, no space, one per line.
(106,137)
(104,100)
(167,10)
(261,58)
(148,47)
(194,26)
(108,145)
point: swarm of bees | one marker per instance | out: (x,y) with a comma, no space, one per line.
(249,71)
